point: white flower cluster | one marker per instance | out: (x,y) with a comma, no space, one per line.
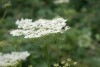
(66,63)
(60,1)
(12,58)
(39,28)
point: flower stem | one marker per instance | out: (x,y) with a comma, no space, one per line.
(3,16)
(47,55)
(46,51)
(20,65)
(0,49)
(58,53)
(16,48)
(58,50)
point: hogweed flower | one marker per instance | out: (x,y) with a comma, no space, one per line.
(61,1)
(66,63)
(56,65)
(39,27)
(75,63)
(68,59)
(11,59)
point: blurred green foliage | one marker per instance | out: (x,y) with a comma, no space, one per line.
(81,42)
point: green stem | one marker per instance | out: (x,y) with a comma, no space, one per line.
(16,48)
(58,53)
(15,66)
(47,55)
(46,51)
(3,16)
(58,50)
(1,49)
(20,65)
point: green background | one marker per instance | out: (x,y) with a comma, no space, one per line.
(81,42)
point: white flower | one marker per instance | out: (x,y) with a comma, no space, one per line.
(56,65)
(40,27)
(12,58)
(60,1)
(16,32)
(68,59)
(75,63)
(24,23)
